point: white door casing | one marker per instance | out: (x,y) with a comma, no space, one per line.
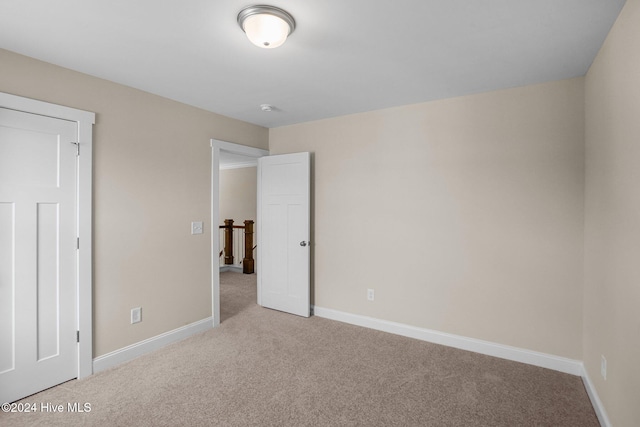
(283,228)
(45,214)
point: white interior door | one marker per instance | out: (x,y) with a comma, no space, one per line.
(284,232)
(38,266)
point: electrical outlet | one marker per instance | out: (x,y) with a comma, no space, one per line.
(196,227)
(136,315)
(603,367)
(370,294)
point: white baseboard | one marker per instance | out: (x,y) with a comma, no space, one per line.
(544,360)
(132,351)
(595,400)
(549,361)
(556,363)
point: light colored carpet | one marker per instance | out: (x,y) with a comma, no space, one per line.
(266,368)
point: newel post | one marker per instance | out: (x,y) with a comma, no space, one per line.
(228,241)
(248,262)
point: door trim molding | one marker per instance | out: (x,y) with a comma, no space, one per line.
(216,147)
(85,121)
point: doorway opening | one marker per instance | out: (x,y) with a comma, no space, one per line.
(233,185)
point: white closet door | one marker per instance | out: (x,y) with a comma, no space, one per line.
(38,266)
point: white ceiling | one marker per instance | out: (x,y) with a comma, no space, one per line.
(345,56)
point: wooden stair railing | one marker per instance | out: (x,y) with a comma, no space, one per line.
(248,263)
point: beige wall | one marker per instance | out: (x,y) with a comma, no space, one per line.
(464,215)
(612,267)
(151,179)
(238,196)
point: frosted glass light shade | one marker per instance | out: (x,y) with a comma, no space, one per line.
(266,31)
(266,26)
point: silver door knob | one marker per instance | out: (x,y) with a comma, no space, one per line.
(303,243)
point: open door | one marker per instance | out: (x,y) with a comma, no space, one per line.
(283,232)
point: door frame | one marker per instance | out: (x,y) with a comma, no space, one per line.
(85,121)
(244,150)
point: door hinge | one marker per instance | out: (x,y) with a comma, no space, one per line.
(77,336)
(78,243)
(77,144)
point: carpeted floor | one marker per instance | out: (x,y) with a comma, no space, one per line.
(266,368)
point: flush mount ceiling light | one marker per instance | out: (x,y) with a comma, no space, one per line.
(266,26)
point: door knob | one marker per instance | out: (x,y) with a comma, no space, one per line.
(303,243)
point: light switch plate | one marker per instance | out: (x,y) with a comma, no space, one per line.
(136,315)
(196,227)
